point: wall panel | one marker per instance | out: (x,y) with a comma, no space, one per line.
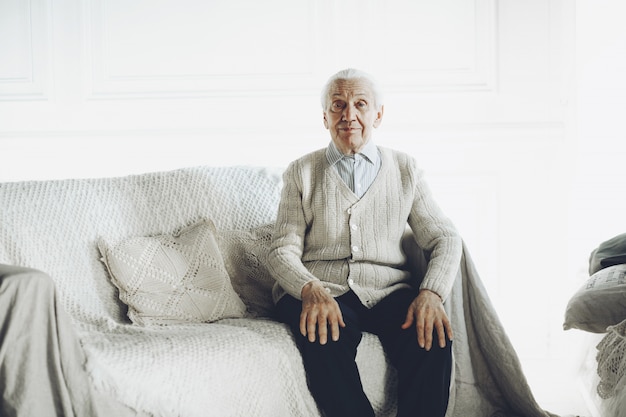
(24,49)
(441,46)
(198,48)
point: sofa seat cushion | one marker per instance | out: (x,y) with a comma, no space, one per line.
(233,367)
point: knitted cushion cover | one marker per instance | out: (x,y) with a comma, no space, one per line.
(245,257)
(611,371)
(175,278)
(611,362)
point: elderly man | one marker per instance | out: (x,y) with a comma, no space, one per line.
(337,259)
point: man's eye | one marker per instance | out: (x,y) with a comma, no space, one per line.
(361,104)
(338,105)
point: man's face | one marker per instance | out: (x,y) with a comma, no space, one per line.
(351,114)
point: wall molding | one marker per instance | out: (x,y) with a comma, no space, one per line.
(300,69)
(109,76)
(29,43)
(479,72)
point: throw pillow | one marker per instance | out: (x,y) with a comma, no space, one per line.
(245,256)
(600,303)
(608,253)
(168,279)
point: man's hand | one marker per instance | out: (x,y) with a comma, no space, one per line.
(428,314)
(319,311)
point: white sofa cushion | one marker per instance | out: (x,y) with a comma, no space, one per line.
(177,278)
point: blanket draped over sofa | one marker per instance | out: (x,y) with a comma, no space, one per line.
(68,349)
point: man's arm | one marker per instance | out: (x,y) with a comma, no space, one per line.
(434,232)
(285,256)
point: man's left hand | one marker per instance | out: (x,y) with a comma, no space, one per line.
(428,314)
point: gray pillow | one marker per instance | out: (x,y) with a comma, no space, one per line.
(600,303)
(609,253)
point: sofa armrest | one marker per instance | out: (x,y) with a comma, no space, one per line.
(41,359)
(18,281)
(7,271)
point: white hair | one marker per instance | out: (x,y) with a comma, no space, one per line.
(351,74)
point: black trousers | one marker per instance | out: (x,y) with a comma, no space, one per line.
(333,377)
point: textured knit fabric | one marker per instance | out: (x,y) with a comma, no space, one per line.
(611,370)
(611,362)
(172,278)
(54,226)
(325,232)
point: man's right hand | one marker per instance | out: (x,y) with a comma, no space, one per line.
(319,311)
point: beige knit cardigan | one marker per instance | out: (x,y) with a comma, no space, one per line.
(325,232)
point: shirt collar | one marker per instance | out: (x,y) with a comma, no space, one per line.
(369,153)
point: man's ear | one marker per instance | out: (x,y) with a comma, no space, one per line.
(379,116)
(325,121)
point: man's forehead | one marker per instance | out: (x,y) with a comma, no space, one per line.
(355,88)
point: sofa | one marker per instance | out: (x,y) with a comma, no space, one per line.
(148,295)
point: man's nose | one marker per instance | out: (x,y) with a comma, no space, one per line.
(348,113)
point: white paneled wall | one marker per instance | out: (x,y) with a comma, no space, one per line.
(482,92)
(25,72)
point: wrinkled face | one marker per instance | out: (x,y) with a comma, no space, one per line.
(351,114)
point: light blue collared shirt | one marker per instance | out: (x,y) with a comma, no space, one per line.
(357,171)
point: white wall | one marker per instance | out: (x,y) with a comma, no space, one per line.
(491,96)
(601,105)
